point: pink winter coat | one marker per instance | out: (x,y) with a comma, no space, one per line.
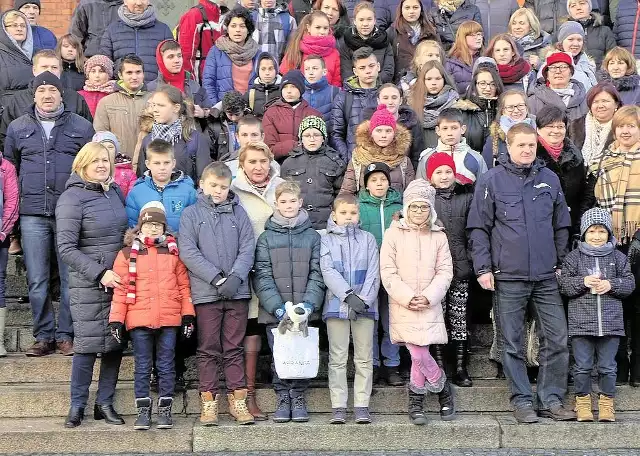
(10,206)
(416,262)
(125,177)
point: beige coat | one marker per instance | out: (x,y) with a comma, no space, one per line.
(416,262)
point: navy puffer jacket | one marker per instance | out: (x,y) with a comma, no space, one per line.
(626,22)
(90,20)
(119,40)
(43,171)
(447,23)
(320,96)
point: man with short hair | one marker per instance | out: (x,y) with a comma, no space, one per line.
(43,38)
(42,145)
(519,231)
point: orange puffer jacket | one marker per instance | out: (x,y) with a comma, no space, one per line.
(163,295)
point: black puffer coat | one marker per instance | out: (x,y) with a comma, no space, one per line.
(320,176)
(452,207)
(378,41)
(90,226)
(447,23)
(599,39)
(287,268)
(15,66)
(478,115)
(549,12)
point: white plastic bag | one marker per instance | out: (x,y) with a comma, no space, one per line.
(296,356)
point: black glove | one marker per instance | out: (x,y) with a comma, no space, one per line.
(117,330)
(230,286)
(356,305)
(186,328)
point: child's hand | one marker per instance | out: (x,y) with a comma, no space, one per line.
(591,281)
(111,280)
(604,286)
(186,328)
(418,303)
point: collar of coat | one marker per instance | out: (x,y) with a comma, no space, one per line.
(399,146)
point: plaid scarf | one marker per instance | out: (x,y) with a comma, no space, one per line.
(169,132)
(618,189)
(133,258)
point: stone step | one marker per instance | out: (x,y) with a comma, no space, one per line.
(52,399)
(386,433)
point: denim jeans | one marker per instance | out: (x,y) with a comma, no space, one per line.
(543,298)
(293,387)
(390,352)
(585,348)
(4,258)
(144,340)
(82,374)
(38,244)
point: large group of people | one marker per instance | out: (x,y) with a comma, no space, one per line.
(368,167)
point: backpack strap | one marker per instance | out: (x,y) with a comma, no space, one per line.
(403,171)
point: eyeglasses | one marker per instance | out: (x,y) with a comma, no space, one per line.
(558,127)
(155,225)
(519,107)
(414,208)
(484,85)
(558,68)
(16,26)
(311,135)
(476,35)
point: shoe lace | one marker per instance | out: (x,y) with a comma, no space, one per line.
(298,402)
(164,411)
(283,403)
(606,406)
(241,406)
(210,407)
(143,411)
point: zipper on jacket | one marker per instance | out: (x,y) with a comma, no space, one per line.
(381,219)
(599,303)
(43,135)
(291,265)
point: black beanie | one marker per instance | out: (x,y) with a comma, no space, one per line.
(294,77)
(17,4)
(47,78)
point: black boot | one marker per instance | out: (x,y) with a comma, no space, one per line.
(144,406)
(165,420)
(392,375)
(447,407)
(107,413)
(461,377)
(74,418)
(437,351)
(416,414)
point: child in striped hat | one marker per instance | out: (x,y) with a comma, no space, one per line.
(154,303)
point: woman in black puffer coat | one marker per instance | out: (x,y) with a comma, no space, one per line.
(90,225)
(16,52)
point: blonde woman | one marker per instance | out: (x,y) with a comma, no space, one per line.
(16,51)
(525,29)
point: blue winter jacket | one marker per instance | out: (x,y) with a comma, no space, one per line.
(217,78)
(43,38)
(627,17)
(176,196)
(119,40)
(320,96)
(44,165)
(519,222)
(349,260)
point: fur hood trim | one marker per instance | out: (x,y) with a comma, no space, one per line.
(400,144)
(466,105)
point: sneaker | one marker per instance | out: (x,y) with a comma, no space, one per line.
(339,416)
(299,412)
(41,348)
(65,347)
(558,412)
(362,415)
(525,414)
(283,408)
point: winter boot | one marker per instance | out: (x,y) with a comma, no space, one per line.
(437,351)
(447,407)
(252,345)
(416,414)
(75,417)
(144,406)
(606,412)
(392,376)
(209,409)
(283,408)
(583,408)
(461,377)
(299,412)
(165,420)
(238,407)
(3,319)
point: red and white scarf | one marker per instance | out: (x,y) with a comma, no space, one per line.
(133,258)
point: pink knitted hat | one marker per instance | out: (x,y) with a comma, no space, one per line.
(99,60)
(382,116)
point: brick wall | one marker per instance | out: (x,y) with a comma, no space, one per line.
(56,14)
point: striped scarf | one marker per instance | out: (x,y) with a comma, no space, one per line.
(133,258)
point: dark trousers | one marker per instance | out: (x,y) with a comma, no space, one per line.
(585,349)
(631,308)
(222,326)
(543,298)
(164,341)
(390,351)
(281,386)
(82,374)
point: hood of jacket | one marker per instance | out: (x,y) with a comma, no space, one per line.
(341,230)
(505,160)
(352,85)
(243,183)
(407,116)
(260,86)
(324,150)
(224,207)
(465,104)
(12,45)
(578,96)
(393,197)
(433,224)
(266,55)
(302,223)
(400,144)
(76,181)
(176,177)
(130,235)
(120,88)
(624,84)
(595,19)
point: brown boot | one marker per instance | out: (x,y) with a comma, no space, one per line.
(238,407)
(14,247)
(583,408)
(252,346)
(209,409)
(606,411)
(41,348)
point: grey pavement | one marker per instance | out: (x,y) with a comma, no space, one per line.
(460,452)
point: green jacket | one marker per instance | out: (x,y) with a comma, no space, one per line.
(373,210)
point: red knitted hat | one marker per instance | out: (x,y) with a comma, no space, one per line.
(557,57)
(382,116)
(437,160)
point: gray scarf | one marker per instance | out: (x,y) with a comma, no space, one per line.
(592,251)
(49,116)
(240,55)
(566,94)
(434,104)
(285,222)
(137,20)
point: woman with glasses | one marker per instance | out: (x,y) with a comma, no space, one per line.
(465,51)
(16,51)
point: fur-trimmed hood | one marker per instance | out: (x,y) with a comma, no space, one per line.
(596,20)
(623,84)
(464,104)
(400,144)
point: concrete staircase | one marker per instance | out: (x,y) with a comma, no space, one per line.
(34,399)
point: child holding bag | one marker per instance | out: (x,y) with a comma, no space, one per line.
(416,270)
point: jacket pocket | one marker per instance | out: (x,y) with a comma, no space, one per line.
(543,205)
(509,207)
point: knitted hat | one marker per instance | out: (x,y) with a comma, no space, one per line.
(102,136)
(437,160)
(596,216)
(47,78)
(557,57)
(17,4)
(419,190)
(588,1)
(294,77)
(570,28)
(153,211)
(377,167)
(382,117)
(313,122)
(102,61)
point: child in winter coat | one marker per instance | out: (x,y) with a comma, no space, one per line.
(217,247)
(70,52)
(351,271)
(596,277)
(380,139)
(154,304)
(450,130)
(123,173)
(275,27)
(317,168)
(378,203)
(281,120)
(265,88)
(287,269)
(318,92)
(416,270)
(314,38)
(452,206)
(98,71)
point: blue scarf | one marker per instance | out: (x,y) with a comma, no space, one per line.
(507,122)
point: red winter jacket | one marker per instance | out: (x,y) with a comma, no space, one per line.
(280,124)
(189,35)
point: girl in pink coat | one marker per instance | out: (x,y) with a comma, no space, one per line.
(416,269)
(123,172)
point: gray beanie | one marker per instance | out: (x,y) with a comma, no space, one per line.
(588,1)
(570,28)
(596,216)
